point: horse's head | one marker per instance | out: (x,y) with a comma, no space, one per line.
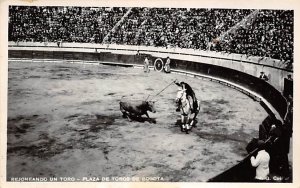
(151,106)
(181,95)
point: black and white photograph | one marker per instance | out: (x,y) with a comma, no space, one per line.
(149,94)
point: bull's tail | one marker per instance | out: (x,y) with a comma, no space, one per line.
(122,109)
(121,105)
(198,105)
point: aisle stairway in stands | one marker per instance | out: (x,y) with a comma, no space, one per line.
(248,20)
(106,38)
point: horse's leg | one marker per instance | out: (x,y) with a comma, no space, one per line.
(187,128)
(187,121)
(189,110)
(195,115)
(192,123)
(182,123)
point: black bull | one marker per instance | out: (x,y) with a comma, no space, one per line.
(136,108)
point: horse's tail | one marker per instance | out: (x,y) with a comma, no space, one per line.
(199,105)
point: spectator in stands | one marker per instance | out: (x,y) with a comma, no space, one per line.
(262,33)
(270,35)
(261,162)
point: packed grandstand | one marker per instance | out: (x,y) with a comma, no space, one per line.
(262,33)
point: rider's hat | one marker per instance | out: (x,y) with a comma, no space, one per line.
(261,145)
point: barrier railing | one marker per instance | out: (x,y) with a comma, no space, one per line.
(275,69)
(263,88)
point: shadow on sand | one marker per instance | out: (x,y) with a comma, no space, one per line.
(142,119)
(178,123)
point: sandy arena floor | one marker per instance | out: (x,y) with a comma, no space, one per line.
(64,121)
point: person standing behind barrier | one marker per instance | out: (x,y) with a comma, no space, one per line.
(146,65)
(261,162)
(263,76)
(279,162)
(167,65)
(58,43)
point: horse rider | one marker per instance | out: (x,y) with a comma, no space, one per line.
(189,93)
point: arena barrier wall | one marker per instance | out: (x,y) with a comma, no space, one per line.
(235,73)
(275,69)
(233,68)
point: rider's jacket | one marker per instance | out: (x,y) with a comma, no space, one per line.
(189,90)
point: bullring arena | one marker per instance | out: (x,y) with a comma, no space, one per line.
(64,118)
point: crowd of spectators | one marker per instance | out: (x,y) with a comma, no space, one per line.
(69,24)
(170,27)
(269,35)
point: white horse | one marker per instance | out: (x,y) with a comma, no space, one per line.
(185,104)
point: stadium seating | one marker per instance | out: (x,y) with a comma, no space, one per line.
(269,35)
